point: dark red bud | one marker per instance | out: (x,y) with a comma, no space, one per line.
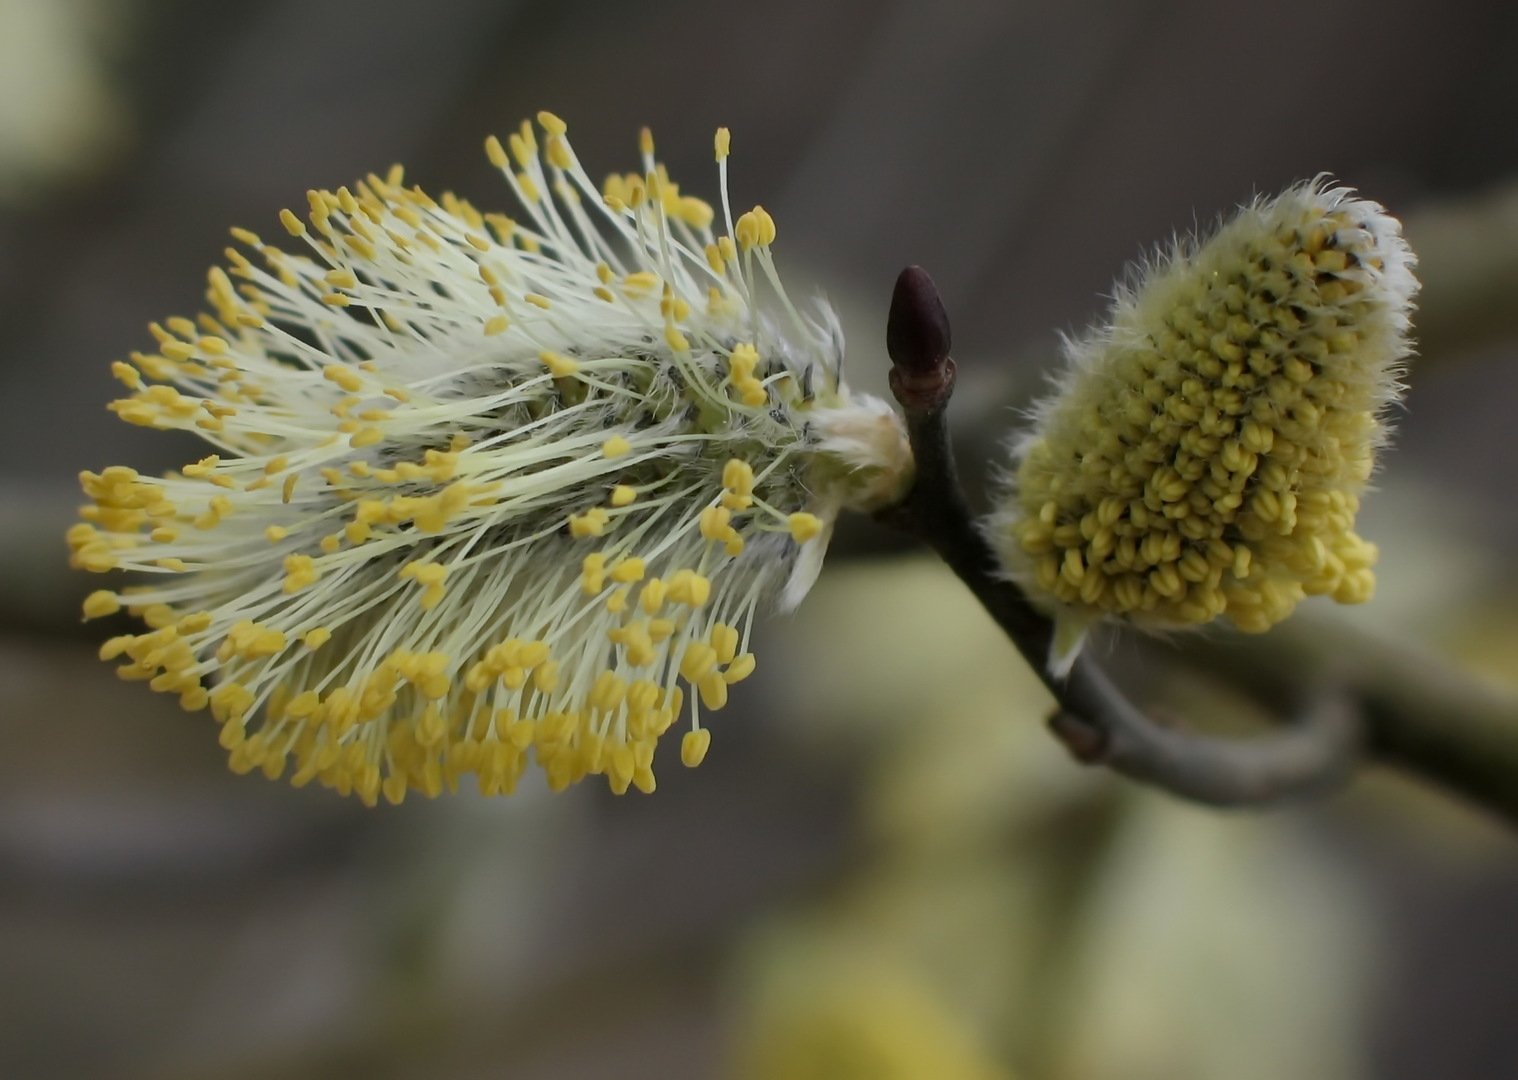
(917,328)
(1086,742)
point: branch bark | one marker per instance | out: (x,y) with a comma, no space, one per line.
(1422,715)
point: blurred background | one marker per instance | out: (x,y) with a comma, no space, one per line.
(885,868)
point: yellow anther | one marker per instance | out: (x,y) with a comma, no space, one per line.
(591,523)
(738,476)
(693,747)
(203,467)
(593,574)
(505,654)
(714,522)
(640,281)
(803,526)
(615,447)
(558,365)
(532,653)
(622,495)
(303,705)
(713,690)
(194,623)
(551,123)
(431,574)
(628,571)
(496,153)
(699,659)
(697,213)
(752,393)
(558,154)
(495,325)
(640,649)
(432,728)
(607,693)
(676,339)
(766,226)
(645,142)
(688,587)
(316,638)
(740,669)
(642,696)
(127,374)
(619,770)
(724,640)
(524,144)
(293,225)
(300,571)
(651,598)
(723,143)
(545,678)
(478,677)
(101,603)
(116,646)
(746,231)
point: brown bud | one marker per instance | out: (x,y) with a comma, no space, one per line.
(1086,742)
(917,328)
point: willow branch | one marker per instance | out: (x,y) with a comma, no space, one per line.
(1422,716)
(1312,753)
(1096,722)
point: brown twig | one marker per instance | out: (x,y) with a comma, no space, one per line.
(1421,715)
(1096,722)
(1311,755)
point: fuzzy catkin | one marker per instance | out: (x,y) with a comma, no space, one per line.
(1205,450)
(486,492)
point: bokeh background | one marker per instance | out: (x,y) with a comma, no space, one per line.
(885,868)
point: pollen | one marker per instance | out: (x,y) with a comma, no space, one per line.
(474,502)
(1206,453)
(693,747)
